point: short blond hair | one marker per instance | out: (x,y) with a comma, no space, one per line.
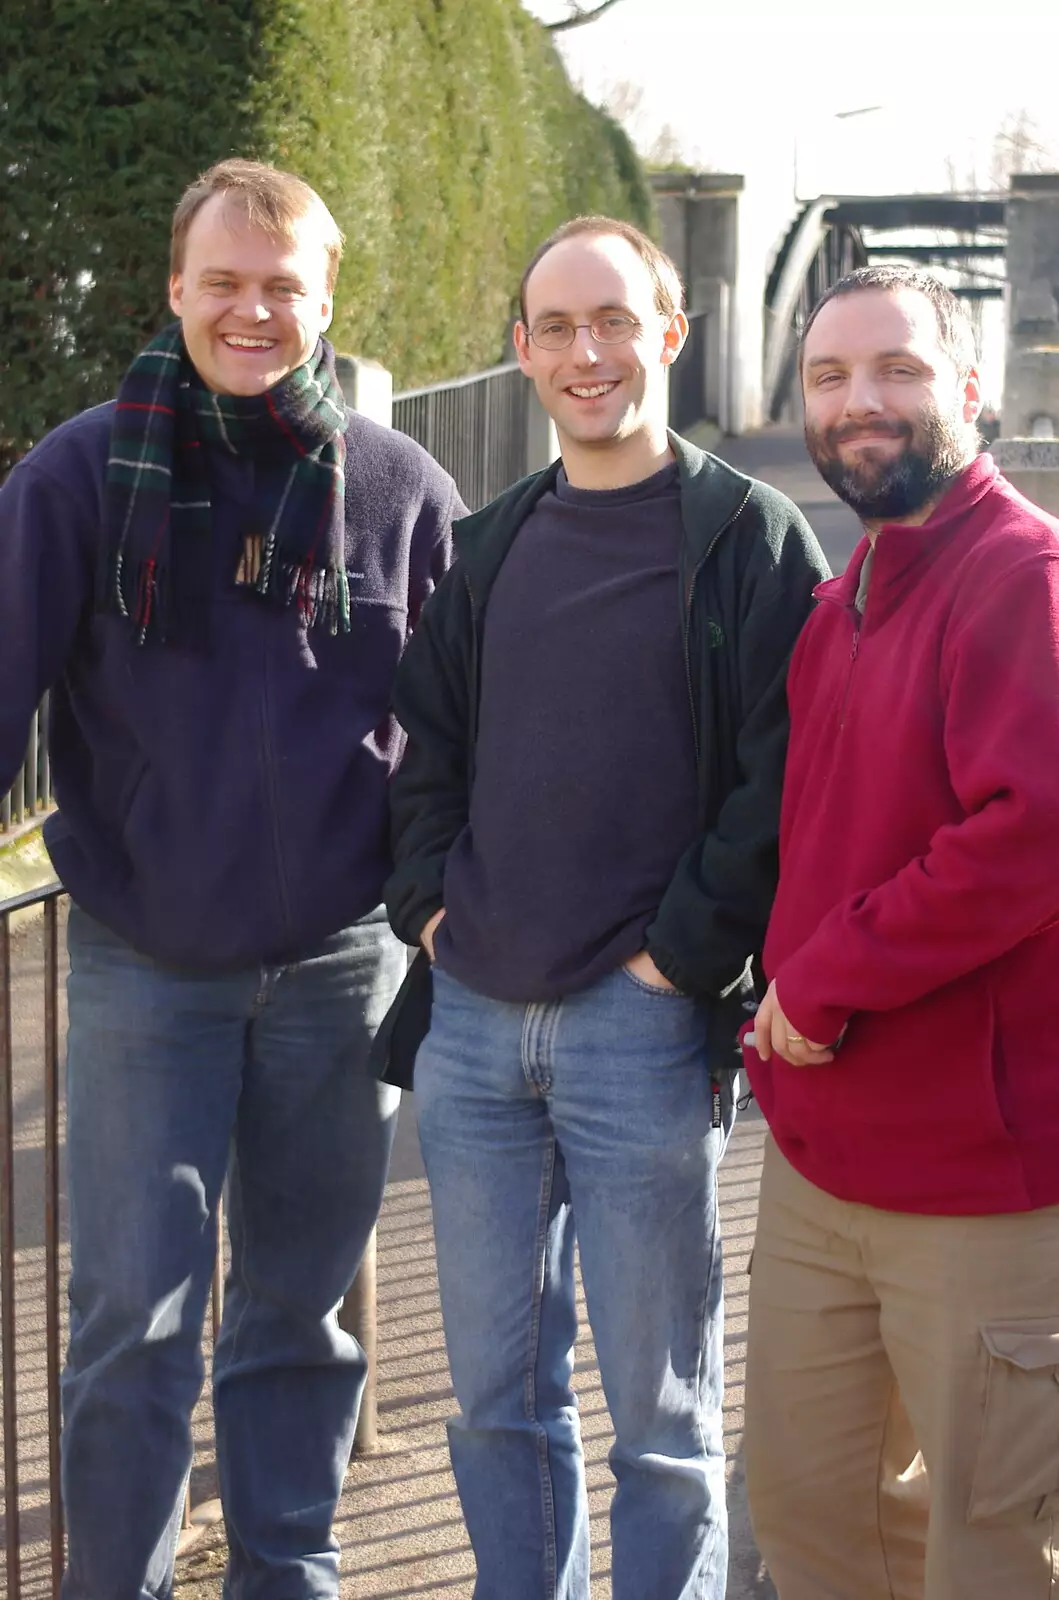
(268,198)
(668,288)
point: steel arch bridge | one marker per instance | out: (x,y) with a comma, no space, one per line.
(832,235)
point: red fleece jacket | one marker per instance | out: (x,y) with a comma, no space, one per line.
(918,903)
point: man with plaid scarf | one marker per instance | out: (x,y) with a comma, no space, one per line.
(215,575)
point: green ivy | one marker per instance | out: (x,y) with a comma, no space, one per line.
(443,134)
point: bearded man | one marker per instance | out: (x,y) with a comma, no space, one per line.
(903,1366)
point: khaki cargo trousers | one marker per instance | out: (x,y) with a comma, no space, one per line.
(902,1404)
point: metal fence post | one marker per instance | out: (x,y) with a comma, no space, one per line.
(53,1330)
(7,1270)
(47,898)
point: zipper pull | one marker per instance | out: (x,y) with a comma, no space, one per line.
(856,646)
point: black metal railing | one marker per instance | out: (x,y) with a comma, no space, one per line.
(687,381)
(31,792)
(47,898)
(476,427)
(44,1087)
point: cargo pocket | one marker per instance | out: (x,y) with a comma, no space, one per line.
(1018,1450)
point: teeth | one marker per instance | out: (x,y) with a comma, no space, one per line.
(591,394)
(247,344)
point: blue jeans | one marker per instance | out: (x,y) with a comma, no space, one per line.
(174,1080)
(596,1108)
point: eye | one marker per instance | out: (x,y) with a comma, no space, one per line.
(825,379)
(552,330)
(220,283)
(902,372)
(617,324)
(286,291)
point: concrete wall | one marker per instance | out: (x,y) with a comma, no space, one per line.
(1028,452)
(1031,384)
(715,238)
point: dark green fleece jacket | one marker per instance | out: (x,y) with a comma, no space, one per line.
(749,564)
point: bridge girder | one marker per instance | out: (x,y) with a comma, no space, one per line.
(827,240)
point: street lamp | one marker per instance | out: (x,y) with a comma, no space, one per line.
(836,116)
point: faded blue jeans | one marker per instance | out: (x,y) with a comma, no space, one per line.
(593,1112)
(174,1080)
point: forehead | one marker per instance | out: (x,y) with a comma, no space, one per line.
(586,272)
(869,321)
(220,235)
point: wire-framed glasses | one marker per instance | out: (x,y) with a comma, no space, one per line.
(555,334)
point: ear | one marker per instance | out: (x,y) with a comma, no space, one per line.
(673,338)
(176,293)
(972,396)
(327,311)
(520,338)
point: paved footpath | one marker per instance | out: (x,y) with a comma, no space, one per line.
(399,1522)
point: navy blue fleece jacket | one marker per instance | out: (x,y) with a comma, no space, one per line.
(227,807)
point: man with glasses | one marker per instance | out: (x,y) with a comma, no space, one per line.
(585,827)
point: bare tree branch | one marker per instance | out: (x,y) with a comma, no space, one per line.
(580,17)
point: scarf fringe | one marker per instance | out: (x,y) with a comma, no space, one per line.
(140,596)
(321,594)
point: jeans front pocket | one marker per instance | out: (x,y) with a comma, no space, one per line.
(655,989)
(1018,1450)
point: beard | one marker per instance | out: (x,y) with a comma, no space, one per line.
(936,449)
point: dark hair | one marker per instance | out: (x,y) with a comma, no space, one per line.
(269,199)
(954,328)
(669,291)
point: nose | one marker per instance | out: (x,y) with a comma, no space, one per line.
(250,305)
(584,349)
(863,398)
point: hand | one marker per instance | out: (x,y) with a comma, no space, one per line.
(426,938)
(772,1032)
(641,966)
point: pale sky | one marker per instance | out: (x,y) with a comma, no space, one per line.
(744,81)
(755,87)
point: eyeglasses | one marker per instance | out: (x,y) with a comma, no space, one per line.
(558,335)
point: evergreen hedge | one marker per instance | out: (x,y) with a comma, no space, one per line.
(443,134)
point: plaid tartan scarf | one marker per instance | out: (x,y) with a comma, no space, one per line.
(157,558)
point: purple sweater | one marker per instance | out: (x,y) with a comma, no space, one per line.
(221,809)
(585,794)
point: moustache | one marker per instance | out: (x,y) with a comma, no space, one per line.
(874,430)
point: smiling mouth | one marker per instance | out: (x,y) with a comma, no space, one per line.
(870,436)
(593,391)
(238,341)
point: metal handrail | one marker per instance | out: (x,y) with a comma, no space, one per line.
(476,427)
(48,898)
(30,795)
(357,1316)
(458,383)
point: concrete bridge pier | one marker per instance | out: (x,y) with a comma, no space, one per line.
(1028,452)
(705,224)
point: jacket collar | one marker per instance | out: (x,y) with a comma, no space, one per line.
(711,494)
(903,552)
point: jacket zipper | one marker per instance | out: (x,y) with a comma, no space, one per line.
(853,654)
(688,597)
(475,687)
(273,806)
